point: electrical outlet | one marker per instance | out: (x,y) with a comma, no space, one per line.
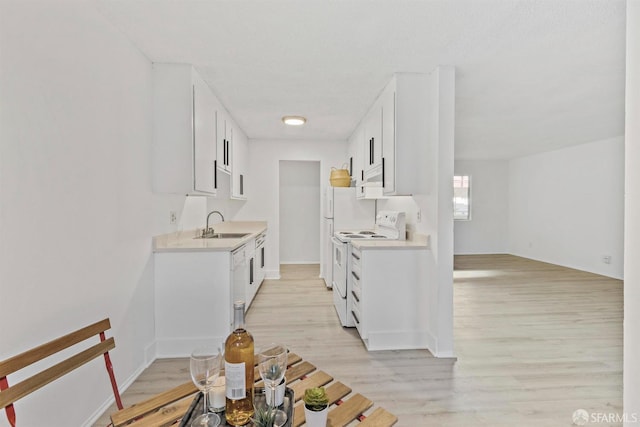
(419,215)
(606,259)
(173,217)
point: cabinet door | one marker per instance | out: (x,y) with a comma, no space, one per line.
(182,151)
(356,154)
(239,169)
(261,265)
(204,137)
(224,139)
(373,142)
(389,141)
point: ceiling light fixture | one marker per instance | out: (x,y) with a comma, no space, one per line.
(294,120)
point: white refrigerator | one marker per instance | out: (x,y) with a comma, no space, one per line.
(343,212)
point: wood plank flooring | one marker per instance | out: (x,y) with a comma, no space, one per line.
(534,342)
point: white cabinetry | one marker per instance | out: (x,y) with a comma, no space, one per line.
(224,138)
(373,142)
(184,131)
(232,153)
(405,113)
(252,283)
(393,138)
(386,291)
(355,150)
(193,300)
(240,164)
(261,242)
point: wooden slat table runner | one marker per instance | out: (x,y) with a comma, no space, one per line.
(345,406)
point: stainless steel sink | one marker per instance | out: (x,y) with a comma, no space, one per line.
(223,236)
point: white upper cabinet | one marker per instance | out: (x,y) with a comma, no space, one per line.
(240,156)
(405,105)
(356,153)
(225,140)
(389,138)
(184,132)
(393,138)
(204,137)
(373,142)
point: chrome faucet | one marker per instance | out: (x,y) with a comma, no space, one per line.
(208,230)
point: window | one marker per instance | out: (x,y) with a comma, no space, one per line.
(461,197)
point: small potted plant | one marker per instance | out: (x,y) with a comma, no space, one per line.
(316,404)
(263,417)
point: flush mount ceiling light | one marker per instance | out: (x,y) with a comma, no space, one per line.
(294,120)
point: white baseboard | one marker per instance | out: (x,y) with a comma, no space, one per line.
(272,274)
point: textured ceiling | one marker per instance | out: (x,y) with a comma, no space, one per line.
(531,76)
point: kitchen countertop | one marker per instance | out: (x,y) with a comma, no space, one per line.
(417,241)
(183,241)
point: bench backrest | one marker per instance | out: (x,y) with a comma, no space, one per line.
(10,394)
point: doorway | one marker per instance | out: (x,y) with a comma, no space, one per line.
(299,212)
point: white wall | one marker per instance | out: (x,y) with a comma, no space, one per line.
(263,189)
(631,371)
(566,206)
(75,218)
(487,231)
(299,212)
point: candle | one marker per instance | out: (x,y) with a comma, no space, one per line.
(217,398)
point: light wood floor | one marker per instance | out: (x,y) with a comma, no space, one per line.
(534,342)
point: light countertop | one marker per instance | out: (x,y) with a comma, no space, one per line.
(417,241)
(183,241)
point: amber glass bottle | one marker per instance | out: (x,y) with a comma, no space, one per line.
(239,366)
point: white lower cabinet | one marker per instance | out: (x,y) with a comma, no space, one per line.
(252,283)
(193,300)
(261,242)
(386,291)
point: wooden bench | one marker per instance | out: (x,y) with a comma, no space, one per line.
(9,394)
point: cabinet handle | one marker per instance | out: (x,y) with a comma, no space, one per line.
(371,151)
(251,271)
(351,167)
(356,297)
(193,116)
(383,172)
(262,257)
(362,174)
(241,184)
(373,148)
(355,275)
(355,256)
(215,174)
(355,317)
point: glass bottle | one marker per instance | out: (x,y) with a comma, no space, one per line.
(239,362)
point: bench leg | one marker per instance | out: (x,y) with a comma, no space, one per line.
(112,377)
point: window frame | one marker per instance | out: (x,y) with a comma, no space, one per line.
(462,177)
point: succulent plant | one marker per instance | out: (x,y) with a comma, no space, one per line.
(263,417)
(316,398)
